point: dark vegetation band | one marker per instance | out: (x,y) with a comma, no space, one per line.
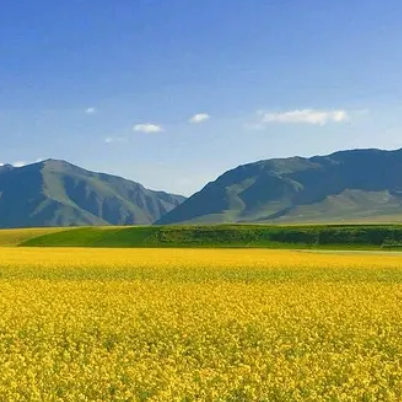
(349,236)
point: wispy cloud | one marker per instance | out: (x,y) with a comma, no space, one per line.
(305,116)
(148,128)
(91,110)
(199,118)
(111,140)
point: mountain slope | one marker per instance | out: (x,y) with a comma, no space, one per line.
(348,185)
(56,193)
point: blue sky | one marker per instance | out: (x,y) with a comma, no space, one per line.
(173,93)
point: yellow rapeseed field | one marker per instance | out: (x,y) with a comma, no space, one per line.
(199,325)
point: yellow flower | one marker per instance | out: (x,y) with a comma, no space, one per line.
(199,325)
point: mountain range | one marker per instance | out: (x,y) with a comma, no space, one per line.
(356,185)
(57,193)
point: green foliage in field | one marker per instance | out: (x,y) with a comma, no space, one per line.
(357,236)
(94,237)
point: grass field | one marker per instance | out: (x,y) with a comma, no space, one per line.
(225,236)
(14,237)
(199,325)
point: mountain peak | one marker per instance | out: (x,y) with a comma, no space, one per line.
(355,184)
(6,167)
(57,193)
(56,162)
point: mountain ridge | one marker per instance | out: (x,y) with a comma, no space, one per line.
(57,193)
(351,184)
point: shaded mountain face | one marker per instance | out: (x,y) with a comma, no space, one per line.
(348,185)
(56,193)
(6,168)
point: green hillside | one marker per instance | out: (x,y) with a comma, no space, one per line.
(56,193)
(359,185)
(312,236)
(14,237)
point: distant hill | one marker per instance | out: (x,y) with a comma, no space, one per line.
(357,185)
(57,193)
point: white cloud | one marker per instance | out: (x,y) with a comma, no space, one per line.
(199,118)
(148,128)
(111,140)
(305,116)
(91,110)
(19,164)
